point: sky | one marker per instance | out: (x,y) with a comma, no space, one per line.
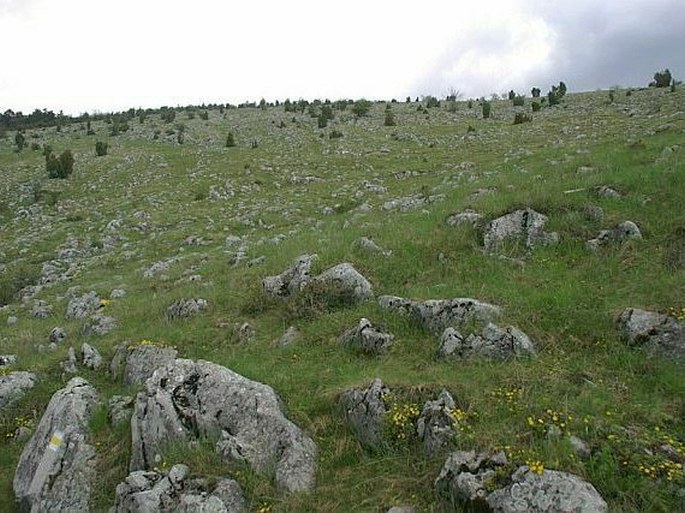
(103,55)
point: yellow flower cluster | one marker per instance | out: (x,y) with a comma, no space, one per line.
(511,397)
(146,342)
(402,420)
(678,314)
(105,302)
(21,421)
(264,508)
(535,466)
(550,418)
(671,470)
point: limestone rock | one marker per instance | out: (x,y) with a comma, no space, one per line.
(290,281)
(57,335)
(468,216)
(99,324)
(551,491)
(153,491)
(186,399)
(289,337)
(365,411)
(120,408)
(438,314)
(523,225)
(7,359)
(623,231)
(83,306)
(494,342)
(367,245)
(69,365)
(657,333)
(56,470)
(136,363)
(90,357)
(185,308)
(41,310)
(465,476)
(366,338)
(435,425)
(346,280)
(13,387)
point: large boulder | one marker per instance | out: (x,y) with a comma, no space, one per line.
(365,412)
(345,280)
(493,342)
(186,400)
(56,470)
(151,491)
(437,314)
(290,281)
(657,333)
(366,338)
(13,387)
(526,226)
(136,363)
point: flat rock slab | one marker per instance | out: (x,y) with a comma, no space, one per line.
(186,400)
(56,470)
(135,364)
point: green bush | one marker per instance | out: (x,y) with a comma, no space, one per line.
(60,167)
(335,134)
(101,148)
(518,101)
(389,118)
(535,106)
(487,108)
(661,79)
(361,108)
(20,141)
(520,117)
(535,92)
(432,102)
(322,121)
(230,140)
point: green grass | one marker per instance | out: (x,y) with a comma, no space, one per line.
(563,297)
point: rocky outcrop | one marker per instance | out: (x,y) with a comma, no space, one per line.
(366,338)
(290,281)
(435,425)
(185,308)
(526,226)
(135,364)
(365,411)
(344,279)
(621,232)
(493,342)
(90,357)
(13,387)
(186,400)
(468,216)
(369,246)
(658,333)
(437,314)
(80,307)
(56,470)
(151,491)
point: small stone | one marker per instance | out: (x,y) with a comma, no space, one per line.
(291,335)
(69,365)
(90,357)
(57,335)
(11,320)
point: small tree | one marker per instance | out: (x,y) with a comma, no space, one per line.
(535,92)
(20,141)
(535,106)
(60,167)
(512,94)
(432,102)
(100,149)
(520,117)
(389,117)
(518,101)
(661,79)
(361,108)
(230,140)
(322,121)
(487,108)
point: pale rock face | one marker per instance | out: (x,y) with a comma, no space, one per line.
(365,411)
(365,337)
(623,231)
(14,386)
(524,225)
(657,333)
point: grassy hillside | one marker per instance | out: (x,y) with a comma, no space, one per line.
(288,188)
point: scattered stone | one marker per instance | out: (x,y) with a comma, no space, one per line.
(402,509)
(593,213)
(580,447)
(136,363)
(290,281)
(623,231)
(69,365)
(465,476)
(153,491)
(83,306)
(410,203)
(482,191)
(494,342)
(185,308)
(119,409)
(367,245)
(434,426)
(7,359)
(13,387)
(158,268)
(345,280)
(57,335)
(99,324)
(90,357)
(117,293)
(438,314)
(366,338)
(604,191)
(468,216)
(56,470)
(522,225)
(657,333)
(12,320)
(291,335)
(365,412)
(583,170)
(256,261)
(41,310)
(186,400)
(244,331)
(551,491)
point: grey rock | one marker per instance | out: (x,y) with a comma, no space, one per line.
(465,476)
(435,425)
(290,281)
(494,342)
(56,470)
(41,310)
(99,324)
(120,408)
(154,492)
(13,387)
(593,213)
(244,331)
(90,357)
(57,335)
(605,191)
(523,225)
(291,335)
(468,216)
(136,363)
(117,293)
(367,245)
(345,280)
(365,412)
(657,333)
(83,306)
(402,509)
(12,320)
(185,308)
(623,231)
(7,359)
(186,400)
(69,365)
(438,314)
(551,491)
(579,446)
(366,338)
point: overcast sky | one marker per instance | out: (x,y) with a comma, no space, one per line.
(103,55)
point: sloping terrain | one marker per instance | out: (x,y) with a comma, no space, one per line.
(158,221)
